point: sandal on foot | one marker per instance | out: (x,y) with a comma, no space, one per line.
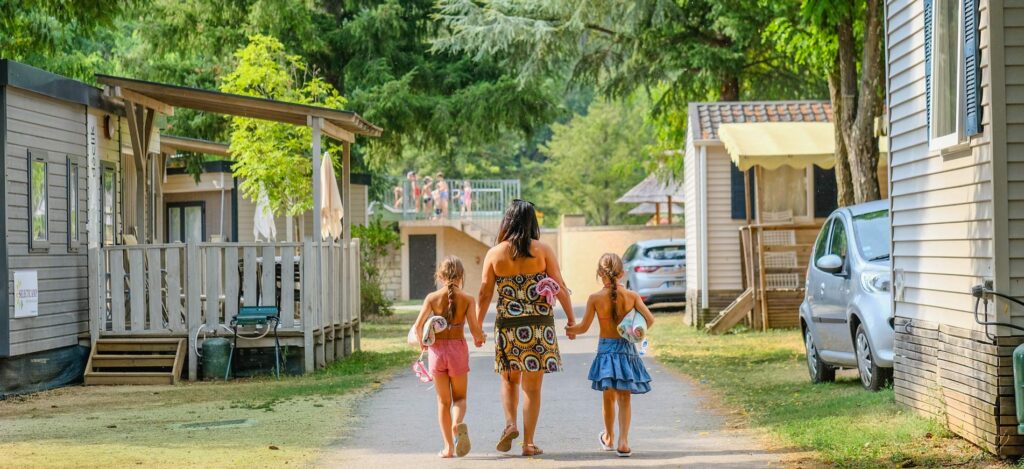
(604,446)
(624,454)
(443,455)
(462,445)
(505,442)
(532,450)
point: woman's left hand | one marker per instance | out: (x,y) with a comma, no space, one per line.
(570,323)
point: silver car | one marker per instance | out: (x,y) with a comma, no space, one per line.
(846,315)
(656,269)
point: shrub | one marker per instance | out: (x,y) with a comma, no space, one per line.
(377,240)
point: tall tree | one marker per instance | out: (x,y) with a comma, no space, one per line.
(686,50)
(596,157)
(844,41)
(271,156)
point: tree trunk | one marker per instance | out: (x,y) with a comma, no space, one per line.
(844,184)
(858,108)
(730,89)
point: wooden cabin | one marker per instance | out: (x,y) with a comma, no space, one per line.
(88,271)
(54,132)
(956,126)
(752,214)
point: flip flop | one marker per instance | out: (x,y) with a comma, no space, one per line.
(622,454)
(604,447)
(534,452)
(505,443)
(462,445)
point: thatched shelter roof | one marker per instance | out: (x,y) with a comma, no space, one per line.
(653,190)
(648,208)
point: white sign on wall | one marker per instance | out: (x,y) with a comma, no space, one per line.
(26,294)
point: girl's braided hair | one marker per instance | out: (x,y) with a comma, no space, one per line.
(609,268)
(450,274)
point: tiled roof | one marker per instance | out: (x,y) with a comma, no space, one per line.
(706,117)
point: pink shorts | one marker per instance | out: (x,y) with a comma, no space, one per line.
(449,356)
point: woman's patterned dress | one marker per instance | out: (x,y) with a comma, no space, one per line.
(524,331)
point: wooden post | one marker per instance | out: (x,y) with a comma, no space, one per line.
(746,193)
(357,317)
(657,213)
(309,298)
(670,210)
(347,269)
(763,293)
(193,288)
(97,295)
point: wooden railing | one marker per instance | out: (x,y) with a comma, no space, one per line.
(180,290)
(775,258)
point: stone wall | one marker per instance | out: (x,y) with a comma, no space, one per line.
(391,275)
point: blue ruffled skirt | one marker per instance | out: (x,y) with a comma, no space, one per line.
(618,366)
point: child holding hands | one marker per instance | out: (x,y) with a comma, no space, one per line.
(449,354)
(617,370)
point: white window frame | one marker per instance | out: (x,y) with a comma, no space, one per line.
(954,138)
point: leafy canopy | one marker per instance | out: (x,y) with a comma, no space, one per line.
(597,157)
(273,156)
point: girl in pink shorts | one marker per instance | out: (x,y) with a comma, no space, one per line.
(449,354)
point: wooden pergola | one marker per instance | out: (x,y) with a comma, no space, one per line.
(175,290)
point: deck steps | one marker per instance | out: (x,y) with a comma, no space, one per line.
(732,314)
(135,361)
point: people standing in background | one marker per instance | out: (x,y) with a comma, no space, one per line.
(398,197)
(411,177)
(467,199)
(428,196)
(442,192)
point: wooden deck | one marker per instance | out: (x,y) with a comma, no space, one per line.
(193,291)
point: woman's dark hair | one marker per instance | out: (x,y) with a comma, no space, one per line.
(519,227)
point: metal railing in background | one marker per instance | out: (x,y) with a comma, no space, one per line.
(479,201)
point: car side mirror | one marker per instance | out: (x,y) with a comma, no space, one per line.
(830,263)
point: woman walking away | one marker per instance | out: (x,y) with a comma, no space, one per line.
(617,370)
(528,279)
(449,355)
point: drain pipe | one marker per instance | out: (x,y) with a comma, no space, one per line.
(703,220)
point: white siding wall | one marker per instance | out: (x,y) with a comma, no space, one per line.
(1013,47)
(724,271)
(942,211)
(724,256)
(58,128)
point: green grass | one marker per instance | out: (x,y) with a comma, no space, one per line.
(764,377)
(118,426)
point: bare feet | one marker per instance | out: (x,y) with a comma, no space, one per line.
(532,450)
(505,442)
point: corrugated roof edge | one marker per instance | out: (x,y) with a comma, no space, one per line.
(36,80)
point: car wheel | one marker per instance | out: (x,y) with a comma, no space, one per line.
(820,371)
(872,377)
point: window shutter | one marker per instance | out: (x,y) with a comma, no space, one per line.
(739,205)
(928,7)
(825,192)
(972,71)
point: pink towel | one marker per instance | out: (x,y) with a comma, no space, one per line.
(548,288)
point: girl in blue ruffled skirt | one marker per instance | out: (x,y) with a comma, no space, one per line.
(617,370)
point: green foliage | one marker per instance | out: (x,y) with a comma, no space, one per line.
(58,35)
(596,157)
(377,242)
(272,156)
(681,51)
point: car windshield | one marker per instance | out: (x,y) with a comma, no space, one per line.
(872,230)
(666,253)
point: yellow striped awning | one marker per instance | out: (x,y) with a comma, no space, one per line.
(773,144)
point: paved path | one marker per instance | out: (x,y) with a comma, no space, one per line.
(397,427)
